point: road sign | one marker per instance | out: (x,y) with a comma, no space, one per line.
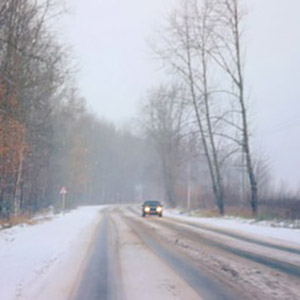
(63,191)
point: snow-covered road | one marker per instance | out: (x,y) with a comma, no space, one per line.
(113,253)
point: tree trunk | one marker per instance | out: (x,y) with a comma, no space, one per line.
(215,186)
(219,181)
(18,184)
(246,146)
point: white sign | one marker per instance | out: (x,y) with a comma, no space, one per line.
(63,191)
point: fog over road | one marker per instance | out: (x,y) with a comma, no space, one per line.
(165,258)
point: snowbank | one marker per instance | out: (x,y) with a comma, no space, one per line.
(36,262)
(263,229)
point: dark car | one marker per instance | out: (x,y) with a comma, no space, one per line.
(152,208)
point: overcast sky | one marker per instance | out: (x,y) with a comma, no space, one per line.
(109,41)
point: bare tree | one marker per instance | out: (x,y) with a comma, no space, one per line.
(163,120)
(228,55)
(185,47)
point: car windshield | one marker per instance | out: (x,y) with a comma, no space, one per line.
(152,203)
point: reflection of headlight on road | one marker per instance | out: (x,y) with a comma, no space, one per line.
(147,209)
(159,209)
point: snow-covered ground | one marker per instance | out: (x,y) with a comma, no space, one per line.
(42,261)
(45,261)
(263,229)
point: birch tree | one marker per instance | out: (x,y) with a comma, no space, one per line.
(229,56)
(184,46)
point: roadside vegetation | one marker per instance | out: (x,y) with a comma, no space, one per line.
(191,145)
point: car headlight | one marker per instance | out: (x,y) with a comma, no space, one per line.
(147,209)
(159,209)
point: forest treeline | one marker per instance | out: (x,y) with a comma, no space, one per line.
(190,146)
(48,138)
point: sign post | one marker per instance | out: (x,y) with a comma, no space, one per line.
(63,191)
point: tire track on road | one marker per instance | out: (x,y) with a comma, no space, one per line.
(281,266)
(287,268)
(202,282)
(100,278)
(238,236)
(243,274)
